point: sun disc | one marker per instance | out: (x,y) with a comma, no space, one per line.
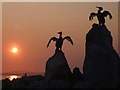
(14,50)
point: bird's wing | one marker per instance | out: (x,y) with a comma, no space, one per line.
(69,39)
(92,15)
(105,13)
(53,38)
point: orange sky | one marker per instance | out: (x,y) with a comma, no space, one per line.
(29,26)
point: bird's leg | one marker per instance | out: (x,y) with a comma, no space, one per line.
(103,24)
(99,23)
(60,48)
(57,49)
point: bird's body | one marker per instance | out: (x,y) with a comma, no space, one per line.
(59,41)
(101,18)
(100,15)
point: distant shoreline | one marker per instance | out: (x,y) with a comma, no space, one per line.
(7,75)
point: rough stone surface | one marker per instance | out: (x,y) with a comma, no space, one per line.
(57,68)
(57,73)
(101,64)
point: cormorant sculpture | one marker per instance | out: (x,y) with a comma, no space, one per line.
(100,15)
(59,41)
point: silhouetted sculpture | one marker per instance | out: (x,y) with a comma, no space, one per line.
(59,41)
(100,15)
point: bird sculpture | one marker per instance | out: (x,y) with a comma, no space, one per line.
(59,41)
(100,15)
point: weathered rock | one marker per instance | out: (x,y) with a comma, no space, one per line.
(57,68)
(77,75)
(57,74)
(101,65)
(59,84)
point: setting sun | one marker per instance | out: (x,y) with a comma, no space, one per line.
(14,50)
(12,77)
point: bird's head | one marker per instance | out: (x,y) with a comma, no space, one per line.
(100,8)
(60,33)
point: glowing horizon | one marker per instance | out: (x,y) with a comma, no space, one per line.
(13,77)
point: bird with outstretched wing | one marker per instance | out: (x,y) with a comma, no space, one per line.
(92,15)
(106,13)
(100,15)
(59,41)
(68,38)
(53,38)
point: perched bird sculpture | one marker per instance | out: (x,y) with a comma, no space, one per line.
(100,15)
(59,41)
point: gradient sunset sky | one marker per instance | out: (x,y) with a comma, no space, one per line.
(29,26)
